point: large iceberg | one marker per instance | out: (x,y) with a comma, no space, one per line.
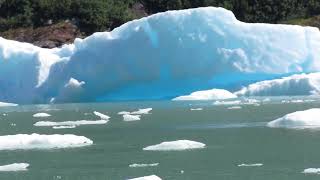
(162,56)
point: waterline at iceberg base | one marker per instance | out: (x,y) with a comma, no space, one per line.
(158,57)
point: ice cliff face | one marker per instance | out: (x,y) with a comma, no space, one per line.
(161,56)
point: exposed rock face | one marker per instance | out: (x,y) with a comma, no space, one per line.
(50,36)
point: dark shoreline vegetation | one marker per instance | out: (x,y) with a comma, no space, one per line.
(60,21)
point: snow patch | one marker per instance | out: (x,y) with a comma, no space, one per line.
(178,145)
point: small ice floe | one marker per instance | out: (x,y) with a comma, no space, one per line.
(4,114)
(123,112)
(152,177)
(250,165)
(178,145)
(182,172)
(298,120)
(196,109)
(37,141)
(213,94)
(102,116)
(129,117)
(4,104)
(69,123)
(143,165)
(297,101)
(87,114)
(13,124)
(142,111)
(64,127)
(14,167)
(235,107)
(311,171)
(41,115)
(226,103)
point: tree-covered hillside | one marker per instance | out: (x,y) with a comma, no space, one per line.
(100,15)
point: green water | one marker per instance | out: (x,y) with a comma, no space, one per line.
(232,137)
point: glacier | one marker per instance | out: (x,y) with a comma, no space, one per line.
(158,57)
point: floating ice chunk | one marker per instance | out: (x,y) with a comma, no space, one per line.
(297,101)
(15,167)
(123,112)
(102,116)
(70,123)
(235,107)
(196,109)
(299,84)
(250,165)
(40,115)
(178,145)
(143,165)
(37,141)
(300,119)
(64,127)
(227,103)
(128,117)
(152,177)
(311,171)
(142,111)
(213,94)
(4,104)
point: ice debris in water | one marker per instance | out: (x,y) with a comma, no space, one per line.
(102,116)
(311,171)
(70,123)
(235,107)
(37,141)
(250,165)
(196,109)
(213,94)
(143,165)
(123,112)
(298,120)
(40,115)
(64,127)
(15,167)
(178,145)
(142,111)
(4,104)
(129,117)
(152,177)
